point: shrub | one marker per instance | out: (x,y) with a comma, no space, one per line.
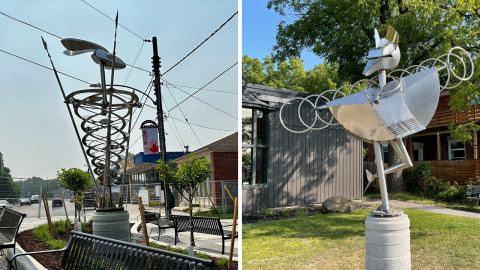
(302,213)
(203,256)
(286,213)
(84,228)
(222,261)
(60,230)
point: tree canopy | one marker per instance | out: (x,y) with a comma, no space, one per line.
(291,75)
(342,32)
(8,188)
(74,179)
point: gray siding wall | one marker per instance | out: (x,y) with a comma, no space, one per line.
(313,166)
(254,199)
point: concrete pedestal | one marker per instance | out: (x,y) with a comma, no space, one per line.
(387,243)
(113,225)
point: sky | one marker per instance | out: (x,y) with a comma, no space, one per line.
(37,137)
(259,29)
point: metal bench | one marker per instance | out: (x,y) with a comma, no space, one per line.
(208,225)
(475,192)
(10,221)
(155,218)
(86,251)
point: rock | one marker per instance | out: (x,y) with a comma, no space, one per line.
(336,205)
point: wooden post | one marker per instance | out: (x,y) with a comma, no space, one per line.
(131,196)
(439,153)
(475,148)
(144,223)
(64,206)
(232,242)
(116,199)
(47,211)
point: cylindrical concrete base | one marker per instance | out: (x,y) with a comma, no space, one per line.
(387,243)
(113,225)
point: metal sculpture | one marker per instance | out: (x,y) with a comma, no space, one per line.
(386,112)
(104,111)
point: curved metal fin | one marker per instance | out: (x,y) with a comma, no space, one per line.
(392,35)
(377,38)
(73,53)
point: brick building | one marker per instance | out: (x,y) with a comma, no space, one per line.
(224,157)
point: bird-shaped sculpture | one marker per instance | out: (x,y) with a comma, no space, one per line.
(387,112)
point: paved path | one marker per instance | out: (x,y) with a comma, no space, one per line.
(427,208)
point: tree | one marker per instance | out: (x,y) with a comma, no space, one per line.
(9,189)
(186,178)
(291,75)
(75,180)
(343,32)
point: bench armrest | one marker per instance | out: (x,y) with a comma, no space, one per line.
(35,252)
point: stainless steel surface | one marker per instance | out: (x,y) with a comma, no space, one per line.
(103,56)
(402,103)
(377,147)
(80,46)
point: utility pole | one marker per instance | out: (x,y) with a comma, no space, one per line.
(161,129)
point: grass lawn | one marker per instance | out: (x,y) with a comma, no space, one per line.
(410,197)
(337,241)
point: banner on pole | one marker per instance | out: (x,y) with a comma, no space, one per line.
(150,141)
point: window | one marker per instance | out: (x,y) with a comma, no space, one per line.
(456,150)
(417,151)
(385,153)
(253,146)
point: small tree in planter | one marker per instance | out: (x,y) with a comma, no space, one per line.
(77,181)
(186,178)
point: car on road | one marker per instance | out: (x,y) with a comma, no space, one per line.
(57,202)
(25,201)
(35,199)
(4,203)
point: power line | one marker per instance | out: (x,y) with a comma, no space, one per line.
(183,114)
(202,101)
(144,40)
(202,126)
(193,123)
(211,35)
(173,123)
(15,19)
(174,134)
(206,89)
(128,76)
(191,95)
(136,141)
(44,66)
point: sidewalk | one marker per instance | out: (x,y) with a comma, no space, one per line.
(426,208)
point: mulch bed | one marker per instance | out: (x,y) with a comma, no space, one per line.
(308,210)
(52,261)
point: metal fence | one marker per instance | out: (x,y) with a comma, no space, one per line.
(228,204)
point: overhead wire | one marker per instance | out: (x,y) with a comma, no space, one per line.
(20,21)
(211,35)
(173,122)
(205,89)
(144,40)
(44,66)
(201,101)
(219,129)
(183,114)
(168,122)
(15,19)
(178,104)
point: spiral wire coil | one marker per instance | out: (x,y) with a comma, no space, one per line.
(90,105)
(369,83)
